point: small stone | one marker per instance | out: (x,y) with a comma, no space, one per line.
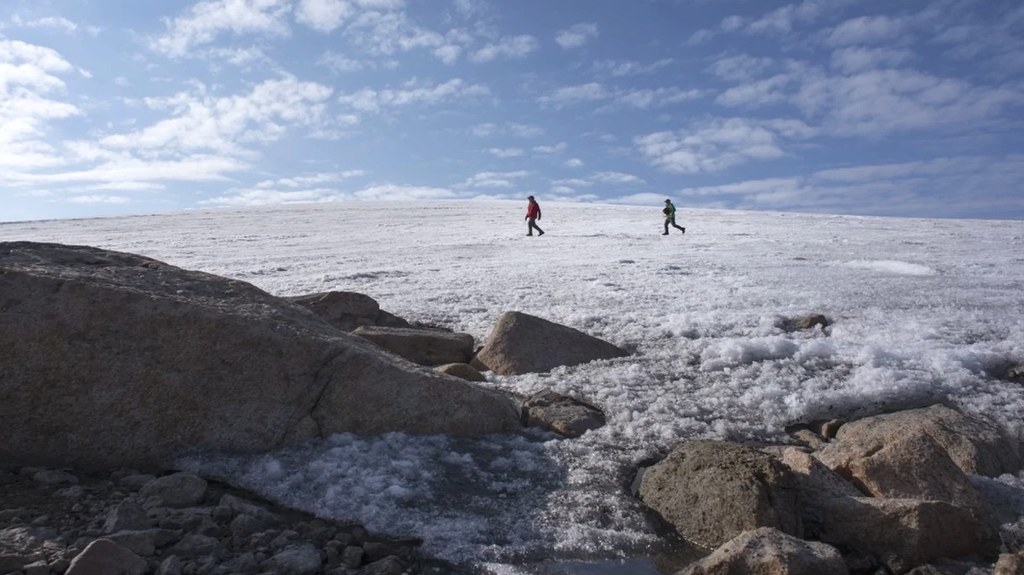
(104,556)
(36,568)
(127,515)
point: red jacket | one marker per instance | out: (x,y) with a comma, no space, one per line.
(533,210)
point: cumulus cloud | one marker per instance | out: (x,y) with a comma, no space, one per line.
(859,59)
(619,68)
(30,86)
(489,129)
(493,179)
(323,15)
(866,30)
(507,47)
(370,100)
(207,20)
(505,152)
(616,178)
(222,124)
(715,145)
(576,35)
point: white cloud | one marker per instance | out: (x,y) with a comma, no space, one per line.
(559,147)
(618,178)
(323,15)
(758,92)
(618,68)
(369,100)
(449,54)
(493,179)
(866,30)
(389,192)
(576,35)
(505,152)
(489,129)
(390,31)
(99,199)
(223,124)
(270,197)
(28,85)
(784,19)
(575,94)
(880,102)
(740,67)
(859,59)
(207,20)
(715,145)
(315,179)
(338,62)
(508,47)
(657,97)
(574,163)
(56,22)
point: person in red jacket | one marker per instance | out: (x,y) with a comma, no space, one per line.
(532,215)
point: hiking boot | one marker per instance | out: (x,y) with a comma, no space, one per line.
(665,234)
(541,234)
(684,230)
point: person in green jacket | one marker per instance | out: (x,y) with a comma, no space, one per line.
(670,217)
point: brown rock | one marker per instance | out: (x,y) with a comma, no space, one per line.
(562,414)
(768,551)
(1010,564)
(711,491)
(521,343)
(976,445)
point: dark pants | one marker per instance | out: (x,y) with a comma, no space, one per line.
(672,220)
(532,225)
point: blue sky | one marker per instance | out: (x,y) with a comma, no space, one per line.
(911,108)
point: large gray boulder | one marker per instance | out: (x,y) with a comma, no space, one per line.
(711,491)
(767,551)
(115,360)
(421,345)
(521,343)
(976,445)
(347,310)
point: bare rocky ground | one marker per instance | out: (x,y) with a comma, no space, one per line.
(179,524)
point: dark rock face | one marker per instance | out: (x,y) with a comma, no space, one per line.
(110,359)
(348,310)
(419,345)
(712,491)
(521,343)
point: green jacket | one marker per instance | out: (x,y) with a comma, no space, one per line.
(670,210)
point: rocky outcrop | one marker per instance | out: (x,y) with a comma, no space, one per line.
(768,551)
(348,310)
(562,414)
(976,446)
(108,524)
(712,491)
(521,343)
(904,533)
(111,359)
(420,345)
